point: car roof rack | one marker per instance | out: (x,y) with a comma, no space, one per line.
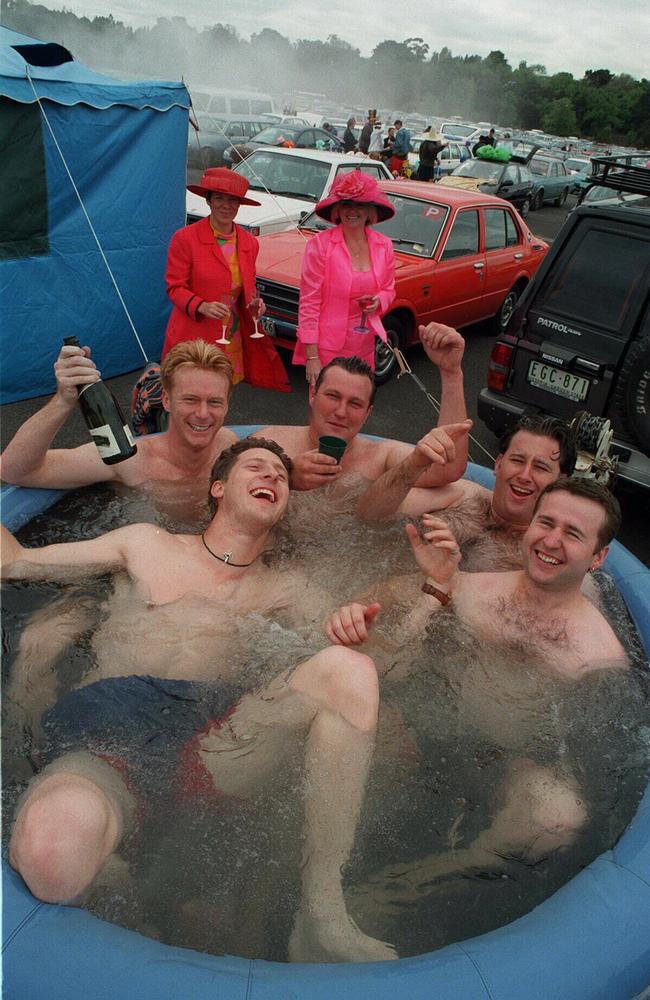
(621,173)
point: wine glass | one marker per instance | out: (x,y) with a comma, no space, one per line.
(225,322)
(254,306)
(364,302)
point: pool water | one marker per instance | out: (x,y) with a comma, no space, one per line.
(227,878)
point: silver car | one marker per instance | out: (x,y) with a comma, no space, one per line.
(450,157)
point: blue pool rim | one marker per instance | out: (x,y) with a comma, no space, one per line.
(589,941)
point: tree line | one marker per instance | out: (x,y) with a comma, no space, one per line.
(403,76)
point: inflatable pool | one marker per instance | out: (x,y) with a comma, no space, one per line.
(589,941)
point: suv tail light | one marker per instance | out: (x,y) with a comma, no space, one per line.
(499,367)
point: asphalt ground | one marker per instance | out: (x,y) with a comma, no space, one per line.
(401,409)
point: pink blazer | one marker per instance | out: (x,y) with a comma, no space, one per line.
(325,284)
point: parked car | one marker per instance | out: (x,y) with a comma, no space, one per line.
(288,183)
(298,136)
(579,338)
(341,126)
(512,181)
(461,257)
(450,157)
(580,169)
(552,180)
(463,131)
(291,120)
(603,196)
(206,147)
(220,101)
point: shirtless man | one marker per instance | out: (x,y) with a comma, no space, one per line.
(532,454)
(197,384)
(191,590)
(340,402)
(541,612)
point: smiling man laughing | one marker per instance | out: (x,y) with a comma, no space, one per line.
(488,524)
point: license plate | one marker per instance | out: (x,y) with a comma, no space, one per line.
(560,382)
(268,325)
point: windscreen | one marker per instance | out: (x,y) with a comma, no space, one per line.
(286,175)
(601,278)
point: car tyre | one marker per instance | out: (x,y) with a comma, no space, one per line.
(632,395)
(503,316)
(538,201)
(525,208)
(559,201)
(385,362)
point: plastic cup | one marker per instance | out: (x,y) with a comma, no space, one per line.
(332,446)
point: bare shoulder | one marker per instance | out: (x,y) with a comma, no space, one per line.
(224,439)
(597,640)
(394,452)
(370,458)
(134,470)
(467,489)
(147,534)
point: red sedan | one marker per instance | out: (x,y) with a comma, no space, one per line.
(461,257)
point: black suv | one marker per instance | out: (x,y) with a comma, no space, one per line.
(579,338)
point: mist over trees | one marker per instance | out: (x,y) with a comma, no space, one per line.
(401,76)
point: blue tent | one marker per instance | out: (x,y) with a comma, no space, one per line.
(122,145)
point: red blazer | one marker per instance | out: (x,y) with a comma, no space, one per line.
(197,272)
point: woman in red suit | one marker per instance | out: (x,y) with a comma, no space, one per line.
(210,279)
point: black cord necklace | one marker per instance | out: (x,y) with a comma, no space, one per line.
(227,556)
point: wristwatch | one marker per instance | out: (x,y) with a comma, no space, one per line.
(440,595)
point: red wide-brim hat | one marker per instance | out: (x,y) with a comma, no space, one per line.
(356,186)
(225,182)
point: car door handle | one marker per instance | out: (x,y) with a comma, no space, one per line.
(479,266)
(518,256)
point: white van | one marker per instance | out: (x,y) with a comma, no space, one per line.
(220,101)
(463,131)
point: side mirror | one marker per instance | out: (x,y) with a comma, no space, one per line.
(506,184)
(303,215)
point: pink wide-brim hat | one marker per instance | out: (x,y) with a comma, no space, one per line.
(356,186)
(225,182)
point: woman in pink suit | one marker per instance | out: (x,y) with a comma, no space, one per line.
(348,277)
(210,279)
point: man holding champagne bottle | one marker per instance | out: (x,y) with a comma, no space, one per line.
(197,384)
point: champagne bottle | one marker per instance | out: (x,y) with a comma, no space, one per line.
(104,419)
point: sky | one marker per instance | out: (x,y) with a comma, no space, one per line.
(570,35)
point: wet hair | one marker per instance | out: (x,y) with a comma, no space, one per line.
(589,489)
(353,365)
(398,121)
(545,426)
(351,122)
(228,458)
(196,354)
